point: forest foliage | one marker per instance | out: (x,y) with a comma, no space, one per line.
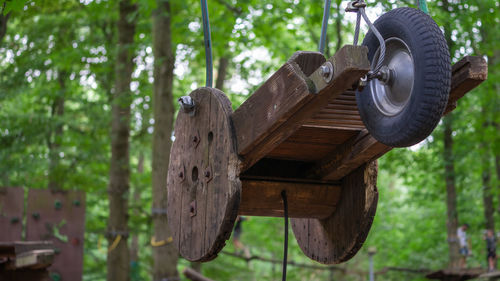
(67,49)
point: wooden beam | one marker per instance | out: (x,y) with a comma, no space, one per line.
(468,73)
(305,200)
(35,259)
(347,157)
(289,98)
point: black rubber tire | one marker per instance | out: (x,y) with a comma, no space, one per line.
(432,78)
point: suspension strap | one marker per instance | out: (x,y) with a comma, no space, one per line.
(208,43)
(422,5)
(324,25)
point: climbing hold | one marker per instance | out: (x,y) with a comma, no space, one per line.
(58,204)
(76,202)
(75,241)
(36,215)
(14,220)
(55,276)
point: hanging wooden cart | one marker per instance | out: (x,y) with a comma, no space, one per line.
(300,132)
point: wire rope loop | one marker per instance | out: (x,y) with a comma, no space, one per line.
(359,6)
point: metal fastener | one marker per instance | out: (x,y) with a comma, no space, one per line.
(363,81)
(327,71)
(187,105)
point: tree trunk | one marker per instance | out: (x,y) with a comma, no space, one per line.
(451,194)
(222,72)
(449,167)
(56,134)
(164,256)
(118,263)
(338,25)
(3,25)
(489,209)
(134,245)
(487,196)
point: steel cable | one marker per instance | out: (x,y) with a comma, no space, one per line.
(324,25)
(208,43)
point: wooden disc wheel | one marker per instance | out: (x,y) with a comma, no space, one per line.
(338,238)
(203,184)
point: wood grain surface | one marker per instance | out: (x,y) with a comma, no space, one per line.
(203,184)
(338,238)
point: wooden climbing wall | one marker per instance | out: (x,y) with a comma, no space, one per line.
(11,213)
(59,216)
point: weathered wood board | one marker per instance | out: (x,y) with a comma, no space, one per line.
(11,213)
(203,185)
(307,200)
(25,260)
(338,238)
(289,98)
(299,132)
(59,216)
(330,160)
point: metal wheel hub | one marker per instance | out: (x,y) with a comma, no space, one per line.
(392,88)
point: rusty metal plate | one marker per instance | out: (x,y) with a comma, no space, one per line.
(11,213)
(59,216)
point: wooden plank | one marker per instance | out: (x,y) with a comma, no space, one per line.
(341,112)
(11,249)
(35,259)
(310,144)
(25,275)
(271,105)
(288,99)
(353,153)
(305,200)
(455,274)
(467,74)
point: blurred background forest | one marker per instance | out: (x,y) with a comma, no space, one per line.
(82,81)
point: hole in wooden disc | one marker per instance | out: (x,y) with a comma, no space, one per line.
(194,174)
(210,137)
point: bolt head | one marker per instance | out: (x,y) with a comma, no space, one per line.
(326,71)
